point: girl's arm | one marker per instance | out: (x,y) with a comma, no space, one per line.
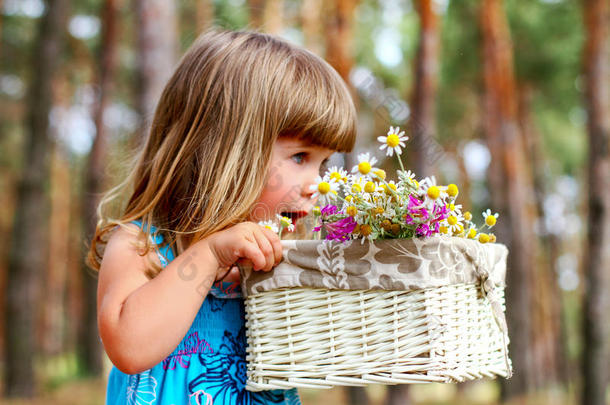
(142,321)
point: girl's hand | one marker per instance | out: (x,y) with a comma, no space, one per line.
(246,240)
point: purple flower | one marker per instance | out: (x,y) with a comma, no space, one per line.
(329,210)
(416,211)
(423,230)
(341,229)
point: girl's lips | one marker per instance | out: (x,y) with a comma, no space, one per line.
(294,215)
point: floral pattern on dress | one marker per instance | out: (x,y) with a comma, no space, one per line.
(224,377)
(200,397)
(141,389)
(192,345)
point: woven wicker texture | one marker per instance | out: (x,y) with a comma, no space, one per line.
(320,338)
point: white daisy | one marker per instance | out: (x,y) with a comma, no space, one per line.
(393,141)
(365,164)
(325,190)
(457,208)
(490,220)
(339,174)
(454,222)
(432,191)
(269,225)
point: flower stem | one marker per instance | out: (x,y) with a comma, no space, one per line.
(400,162)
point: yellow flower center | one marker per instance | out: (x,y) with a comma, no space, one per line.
(452,207)
(316,210)
(452,220)
(348,198)
(443,229)
(492,238)
(335,175)
(467,216)
(351,211)
(268,227)
(483,238)
(364,167)
(434,192)
(490,220)
(452,190)
(379,210)
(369,187)
(285,221)
(356,188)
(380,173)
(472,233)
(393,140)
(323,187)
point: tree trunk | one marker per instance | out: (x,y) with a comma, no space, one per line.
(89,345)
(548,347)
(257,12)
(398,395)
(597,251)
(339,32)
(205,14)
(266,15)
(28,253)
(311,16)
(53,312)
(511,189)
(423,112)
(157,46)
(273,16)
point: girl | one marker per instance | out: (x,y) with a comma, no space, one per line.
(239,135)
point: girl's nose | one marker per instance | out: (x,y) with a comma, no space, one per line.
(307,184)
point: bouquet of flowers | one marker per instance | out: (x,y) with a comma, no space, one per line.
(364,204)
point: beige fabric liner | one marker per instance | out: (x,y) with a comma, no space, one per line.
(387,264)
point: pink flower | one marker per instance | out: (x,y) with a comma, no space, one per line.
(339,230)
(329,210)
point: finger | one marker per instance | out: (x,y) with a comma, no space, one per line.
(250,250)
(266,248)
(275,243)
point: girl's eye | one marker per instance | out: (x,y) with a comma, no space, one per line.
(299,157)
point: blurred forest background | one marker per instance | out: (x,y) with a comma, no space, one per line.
(508,99)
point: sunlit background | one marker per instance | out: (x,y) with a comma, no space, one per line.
(376,50)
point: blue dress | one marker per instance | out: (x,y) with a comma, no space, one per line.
(208,366)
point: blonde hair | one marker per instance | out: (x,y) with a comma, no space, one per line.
(231,96)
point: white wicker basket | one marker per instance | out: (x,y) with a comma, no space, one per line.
(320,338)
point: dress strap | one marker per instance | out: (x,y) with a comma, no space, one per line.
(164,251)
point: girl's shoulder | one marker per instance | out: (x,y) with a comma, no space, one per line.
(126,240)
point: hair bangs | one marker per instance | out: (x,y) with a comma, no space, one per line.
(319,106)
